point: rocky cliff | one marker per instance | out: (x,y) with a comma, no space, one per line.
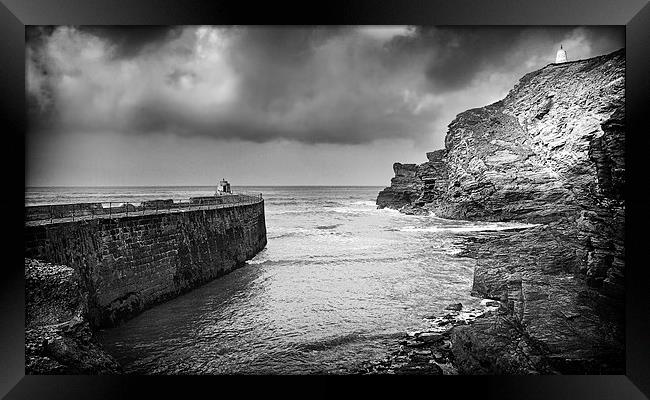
(551,152)
(58,339)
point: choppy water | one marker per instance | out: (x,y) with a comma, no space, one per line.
(338,281)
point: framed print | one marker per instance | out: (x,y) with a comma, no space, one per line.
(355,191)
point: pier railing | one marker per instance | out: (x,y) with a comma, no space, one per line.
(43,214)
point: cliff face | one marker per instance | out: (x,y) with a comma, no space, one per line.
(551,152)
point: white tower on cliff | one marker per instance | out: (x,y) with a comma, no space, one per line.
(561,56)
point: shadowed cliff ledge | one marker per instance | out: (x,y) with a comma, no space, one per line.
(551,152)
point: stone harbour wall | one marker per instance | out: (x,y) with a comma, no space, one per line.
(128,264)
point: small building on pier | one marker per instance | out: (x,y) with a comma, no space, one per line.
(223,188)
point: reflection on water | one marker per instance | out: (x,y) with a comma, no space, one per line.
(338,281)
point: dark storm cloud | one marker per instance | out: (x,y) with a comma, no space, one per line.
(40,94)
(125,42)
(313,85)
(276,63)
(34,35)
(347,124)
(458,54)
(463,53)
(129,40)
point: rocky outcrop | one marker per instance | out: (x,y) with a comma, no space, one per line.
(405,187)
(551,153)
(429,351)
(58,339)
(556,321)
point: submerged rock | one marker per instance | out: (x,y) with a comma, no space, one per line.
(454,307)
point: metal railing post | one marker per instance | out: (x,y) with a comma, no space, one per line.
(50,214)
(73,213)
(110,209)
(126,205)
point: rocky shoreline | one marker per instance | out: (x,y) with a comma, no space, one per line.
(58,338)
(550,153)
(430,351)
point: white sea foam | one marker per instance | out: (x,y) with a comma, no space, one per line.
(485,301)
(470,228)
(364,203)
(351,210)
(390,211)
(256,261)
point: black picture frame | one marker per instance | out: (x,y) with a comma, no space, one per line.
(634,14)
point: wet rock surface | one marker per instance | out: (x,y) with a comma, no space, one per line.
(428,351)
(550,153)
(536,274)
(58,339)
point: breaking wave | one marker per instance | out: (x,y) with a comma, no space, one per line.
(471,228)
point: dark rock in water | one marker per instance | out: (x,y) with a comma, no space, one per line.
(430,337)
(454,307)
(550,153)
(425,352)
(414,343)
(58,339)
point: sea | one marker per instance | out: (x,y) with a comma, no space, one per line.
(338,283)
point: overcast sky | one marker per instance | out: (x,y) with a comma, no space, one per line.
(265,105)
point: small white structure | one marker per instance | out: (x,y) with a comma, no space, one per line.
(223,188)
(561,56)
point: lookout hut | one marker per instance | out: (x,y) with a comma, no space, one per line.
(223,188)
(561,56)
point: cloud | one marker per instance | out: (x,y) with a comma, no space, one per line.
(130,40)
(347,85)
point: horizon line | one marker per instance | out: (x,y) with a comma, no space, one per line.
(158,186)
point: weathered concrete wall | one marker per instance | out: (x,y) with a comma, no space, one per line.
(131,263)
